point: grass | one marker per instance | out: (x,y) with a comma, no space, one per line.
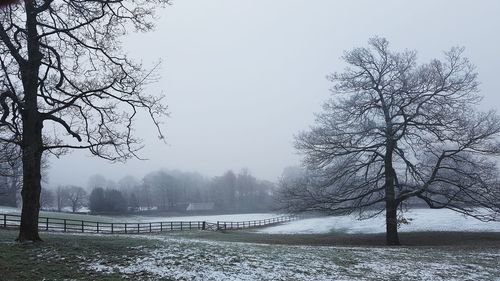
(77,216)
(71,216)
(223,256)
(60,256)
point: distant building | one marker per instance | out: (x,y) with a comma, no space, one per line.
(193,207)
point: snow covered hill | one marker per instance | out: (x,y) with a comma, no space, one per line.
(421,220)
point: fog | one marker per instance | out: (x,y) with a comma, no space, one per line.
(241,78)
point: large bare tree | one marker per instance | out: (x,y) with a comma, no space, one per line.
(67,84)
(396,131)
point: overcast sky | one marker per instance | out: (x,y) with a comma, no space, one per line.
(243,77)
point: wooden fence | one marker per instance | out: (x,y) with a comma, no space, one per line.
(231,225)
(82,226)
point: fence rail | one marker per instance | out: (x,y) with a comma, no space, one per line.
(231,225)
(82,226)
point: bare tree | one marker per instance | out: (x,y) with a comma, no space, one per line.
(46,198)
(76,196)
(10,174)
(67,85)
(396,130)
(61,197)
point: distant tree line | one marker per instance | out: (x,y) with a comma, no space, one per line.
(107,201)
(163,190)
(174,191)
(64,198)
(10,174)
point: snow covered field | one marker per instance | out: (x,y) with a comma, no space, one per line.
(186,256)
(422,220)
(209,218)
(9,210)
(187,259)
(136,218)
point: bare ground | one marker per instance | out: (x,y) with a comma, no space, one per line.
(471,240)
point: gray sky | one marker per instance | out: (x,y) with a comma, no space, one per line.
(243,77)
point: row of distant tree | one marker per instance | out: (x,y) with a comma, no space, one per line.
(174,190)
(62,197)
(161,190)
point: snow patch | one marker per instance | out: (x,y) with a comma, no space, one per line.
(422,220)
(184,259)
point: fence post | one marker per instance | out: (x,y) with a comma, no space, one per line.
(82,227)
(97,227)
(112,228)
(203,225)
(125,228)
(5,220)
(150,228)
(138,229)
(190,225)
(171,226)
(46,224)
(161,226)
(64,225)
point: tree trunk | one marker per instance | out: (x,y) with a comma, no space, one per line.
(391,220)
(59,199)
(32,149)
(32,156)
(391,223)
(32,143)
(14,183)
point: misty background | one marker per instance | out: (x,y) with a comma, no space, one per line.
(241,78)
